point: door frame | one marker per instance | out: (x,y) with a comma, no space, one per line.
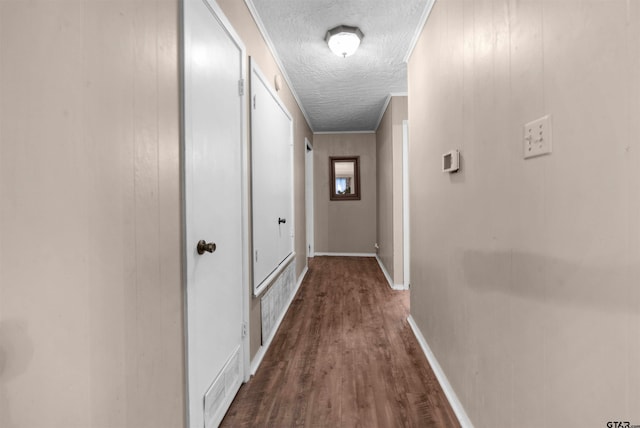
(245,197)
(406,227)
(308,168)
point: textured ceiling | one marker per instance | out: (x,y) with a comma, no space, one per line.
(342,94)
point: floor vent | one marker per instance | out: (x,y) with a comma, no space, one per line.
(221,392)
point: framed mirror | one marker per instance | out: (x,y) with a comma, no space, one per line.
(345,178)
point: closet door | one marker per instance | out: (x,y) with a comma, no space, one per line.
(215,219)
(271,178)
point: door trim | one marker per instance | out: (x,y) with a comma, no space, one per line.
(309,214)
(406,226)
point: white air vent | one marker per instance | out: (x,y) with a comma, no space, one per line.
(232,372)
(221,392)
(213,400)
(275,300)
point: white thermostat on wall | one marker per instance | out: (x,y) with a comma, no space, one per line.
(451,161)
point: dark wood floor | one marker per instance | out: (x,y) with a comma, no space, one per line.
(344,356)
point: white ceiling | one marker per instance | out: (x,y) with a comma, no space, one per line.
(342,94)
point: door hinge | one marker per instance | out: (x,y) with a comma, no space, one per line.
(241,86)
(256,256)
(244,329)
(254,102)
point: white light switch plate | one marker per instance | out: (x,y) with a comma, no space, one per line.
(537,137)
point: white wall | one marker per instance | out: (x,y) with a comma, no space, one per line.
(525,273)
(91,330)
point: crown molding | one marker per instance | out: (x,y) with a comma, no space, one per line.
(386,104)
(423,20)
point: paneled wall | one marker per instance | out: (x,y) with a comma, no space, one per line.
(389,188)
(345,226)
(525,273)
(91,301)
(91,331)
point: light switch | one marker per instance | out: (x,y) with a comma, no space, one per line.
(537,137)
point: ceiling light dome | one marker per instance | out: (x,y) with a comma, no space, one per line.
(344,40)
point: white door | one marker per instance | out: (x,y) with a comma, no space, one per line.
(214,211)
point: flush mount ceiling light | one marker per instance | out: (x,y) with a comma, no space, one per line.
(344,40)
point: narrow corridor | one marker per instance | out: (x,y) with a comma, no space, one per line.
(344,356)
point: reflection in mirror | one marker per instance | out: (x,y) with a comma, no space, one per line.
(345,178)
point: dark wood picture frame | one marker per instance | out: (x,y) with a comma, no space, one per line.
(335,195)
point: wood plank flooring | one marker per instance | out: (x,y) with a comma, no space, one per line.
(344,356)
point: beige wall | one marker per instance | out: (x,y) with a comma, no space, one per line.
(344,226)
(400,112)
(242,21)
(525,273)
(384,190)
(389,188)
(90,275)
(91,331)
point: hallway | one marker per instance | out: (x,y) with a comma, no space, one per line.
(344,356)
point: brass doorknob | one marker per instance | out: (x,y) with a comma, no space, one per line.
(203,246)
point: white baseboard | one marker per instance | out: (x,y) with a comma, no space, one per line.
(389,280)
(257,360)
(456,405)
(346,254)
